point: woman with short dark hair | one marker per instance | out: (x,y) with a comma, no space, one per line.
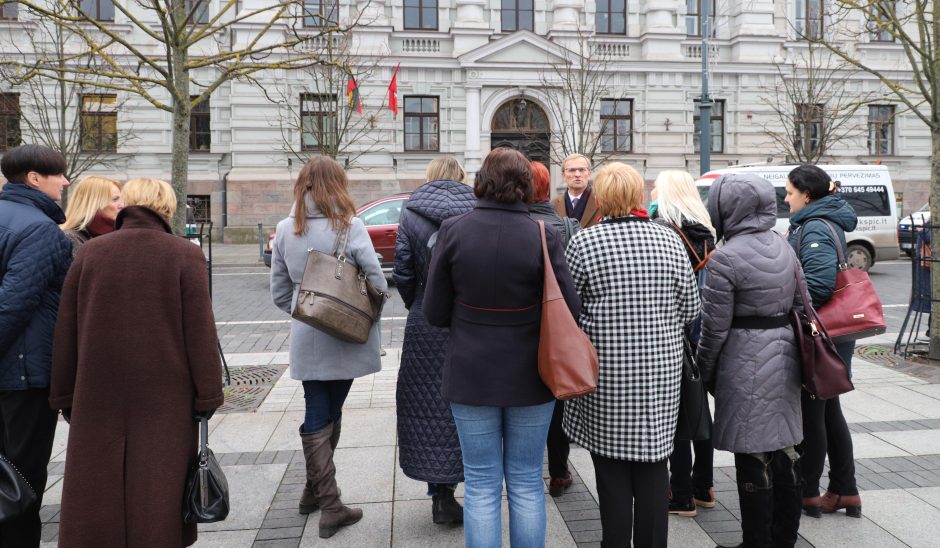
(485,284)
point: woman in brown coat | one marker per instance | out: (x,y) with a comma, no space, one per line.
(134,360)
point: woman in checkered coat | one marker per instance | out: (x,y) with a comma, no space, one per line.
(638,293)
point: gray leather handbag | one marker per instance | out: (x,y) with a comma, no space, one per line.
(335,297)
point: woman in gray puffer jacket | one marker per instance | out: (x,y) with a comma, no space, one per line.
(748,356)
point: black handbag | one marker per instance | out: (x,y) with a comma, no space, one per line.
(205,499)
(16,494)
(695,419)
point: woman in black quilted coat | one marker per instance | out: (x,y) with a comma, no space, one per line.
(429,449)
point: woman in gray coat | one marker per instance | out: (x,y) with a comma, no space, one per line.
(748,356)
(322,211)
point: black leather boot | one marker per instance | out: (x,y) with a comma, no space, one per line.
(444,507)
(755,490)
(788,493)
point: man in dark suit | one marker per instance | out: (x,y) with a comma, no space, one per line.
(577,202)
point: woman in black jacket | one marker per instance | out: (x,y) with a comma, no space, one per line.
(814,203)
(485,284)
(680,208)
(429,449)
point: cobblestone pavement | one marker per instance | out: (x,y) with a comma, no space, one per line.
(894,415)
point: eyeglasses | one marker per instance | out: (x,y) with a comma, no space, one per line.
(576,170)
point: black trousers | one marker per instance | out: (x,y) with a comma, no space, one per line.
(825,432)
(685,478)
(558,444)
(769,492)
(27,428)
(619,484)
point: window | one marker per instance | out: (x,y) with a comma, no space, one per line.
(9,120)
(9,10)
(199,10)
(611,17)
(693,17)
(99,10)
(99,123)
(201,207)
(422,127)
(883,13)
(420,14)
(517,15)
(200,134)
(717,125)
(867,201)
(321,13)
(383,213)
(616,125)
(809,126)
(317,120)
(809,19)
(881,130)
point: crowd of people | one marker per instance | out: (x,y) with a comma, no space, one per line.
(106,318)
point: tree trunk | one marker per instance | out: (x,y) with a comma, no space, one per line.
(934,354)
(180,148)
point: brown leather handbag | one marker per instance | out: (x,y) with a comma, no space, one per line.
(568,363)
(854,311)
(336,297)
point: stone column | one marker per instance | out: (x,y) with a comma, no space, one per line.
(472,154)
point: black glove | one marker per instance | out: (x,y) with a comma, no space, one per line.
(67,415)
(199,415)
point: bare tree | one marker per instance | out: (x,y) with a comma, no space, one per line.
(52,110)
(813,102)
(576,88)
(323,112)
(173,41)
(914,25)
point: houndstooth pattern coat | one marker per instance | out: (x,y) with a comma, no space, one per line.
(638,292)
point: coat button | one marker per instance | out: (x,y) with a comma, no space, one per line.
(21,356)
(23,378)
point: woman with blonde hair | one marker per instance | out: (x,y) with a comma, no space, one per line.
(638,295)
(680,208)
(93,206)
(323,215)
(429,449)
(134,362)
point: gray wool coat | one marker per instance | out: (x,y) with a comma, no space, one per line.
(315,355)
(755,372)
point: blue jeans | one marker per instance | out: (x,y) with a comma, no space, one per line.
(324,403)
(497,442)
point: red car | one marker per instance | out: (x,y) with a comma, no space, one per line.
(381,220)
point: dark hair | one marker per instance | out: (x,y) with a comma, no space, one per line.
(811,180)
(19,161)
(325,182)
(541,181)
(505,176)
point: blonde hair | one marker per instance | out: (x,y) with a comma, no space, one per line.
(90,195)
(678,200)
(151,193)
(618,189)
(575,156)
(446,168)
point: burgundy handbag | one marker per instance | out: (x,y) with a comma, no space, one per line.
(568,363)
(825,375)
(854,310)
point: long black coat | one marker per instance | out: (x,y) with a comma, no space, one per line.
(429,449)
(485,283)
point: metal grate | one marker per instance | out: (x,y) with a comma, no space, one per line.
(249,387)
(877,353)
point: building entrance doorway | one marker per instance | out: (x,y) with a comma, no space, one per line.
(522,125)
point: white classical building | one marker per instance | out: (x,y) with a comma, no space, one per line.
(475,74)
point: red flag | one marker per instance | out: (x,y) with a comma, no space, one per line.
(352,94)
(393,92)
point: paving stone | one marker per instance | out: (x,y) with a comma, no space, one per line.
(227,459)
(874,465)
(283,457)
(277,523)
(565,507)
(713,515)
(276,513)
(251,489)
(720,526)
(281,533)
(916,479)
(279,543)
(588,536)
(247,458)
(581,514)
(899,480)
(583,525)
(266,457)
(727,539)
(572,497)
(50,532)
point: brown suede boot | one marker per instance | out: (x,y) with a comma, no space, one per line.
(337,427)
(333,514)
(309,502)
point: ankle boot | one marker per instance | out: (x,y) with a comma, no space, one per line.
(755,490)
(333,514)
(788,491)
(811,505)
(309,502)
(444,507)
(832,502)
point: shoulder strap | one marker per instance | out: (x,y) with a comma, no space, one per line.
(339,251)
(835,241)
(699,261)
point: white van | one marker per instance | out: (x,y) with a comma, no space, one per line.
(867,188)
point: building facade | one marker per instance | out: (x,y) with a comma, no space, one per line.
(475,74)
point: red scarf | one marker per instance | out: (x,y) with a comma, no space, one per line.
(100,225)
(641,213)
